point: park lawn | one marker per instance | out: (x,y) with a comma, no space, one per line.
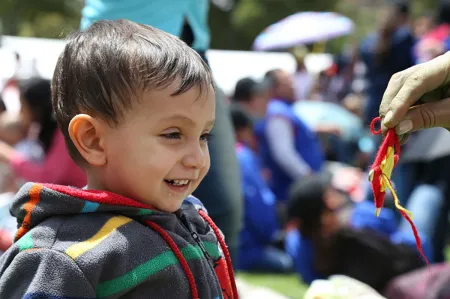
(288,285)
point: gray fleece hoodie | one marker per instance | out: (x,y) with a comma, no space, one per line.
(74,244)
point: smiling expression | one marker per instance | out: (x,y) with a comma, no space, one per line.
(158,154)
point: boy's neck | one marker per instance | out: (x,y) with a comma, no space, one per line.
(94,184)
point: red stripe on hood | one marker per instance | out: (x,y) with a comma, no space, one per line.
(99,196)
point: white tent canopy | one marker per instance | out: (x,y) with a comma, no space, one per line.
(39,56)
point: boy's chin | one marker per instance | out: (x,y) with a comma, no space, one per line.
(171,206)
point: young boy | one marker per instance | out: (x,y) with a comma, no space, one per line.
(136,106)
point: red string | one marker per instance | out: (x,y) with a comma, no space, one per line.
(179,256)
(391,139)
(225,252)
(416,236)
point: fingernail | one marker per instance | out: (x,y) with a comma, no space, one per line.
(404,127)
(388,117)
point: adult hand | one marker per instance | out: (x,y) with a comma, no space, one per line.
(418,98)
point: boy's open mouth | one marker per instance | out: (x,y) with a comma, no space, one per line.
(177,182)
(178,186)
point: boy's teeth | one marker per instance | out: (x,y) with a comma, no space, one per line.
(178,182)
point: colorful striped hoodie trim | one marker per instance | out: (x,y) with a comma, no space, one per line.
(74,243)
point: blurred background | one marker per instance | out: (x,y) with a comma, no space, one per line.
(300,217)
(233,23)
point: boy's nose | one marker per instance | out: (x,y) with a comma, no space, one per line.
(196,158)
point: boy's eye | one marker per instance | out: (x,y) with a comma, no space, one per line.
(206,137)
(173,135)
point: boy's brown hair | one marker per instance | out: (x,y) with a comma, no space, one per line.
(104,69)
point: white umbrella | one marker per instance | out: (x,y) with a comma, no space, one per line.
(303,28)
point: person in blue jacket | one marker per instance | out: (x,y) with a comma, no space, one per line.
(288,147)
(261,230)
(369,248)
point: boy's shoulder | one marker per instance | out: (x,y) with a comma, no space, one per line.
(92,237)
(87,238)
(194,201)
(104,246)
(196,214)
(86,234)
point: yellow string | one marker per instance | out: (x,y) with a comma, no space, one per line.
(387,181)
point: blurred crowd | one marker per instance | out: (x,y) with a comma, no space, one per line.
(303,147)
(308,205)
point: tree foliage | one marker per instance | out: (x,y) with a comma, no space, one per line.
(43,18)
(235,29)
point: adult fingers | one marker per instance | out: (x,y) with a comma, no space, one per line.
(403,138)
(436,114)
(426,77)
(395,84)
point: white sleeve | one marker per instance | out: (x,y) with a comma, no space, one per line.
(281,141)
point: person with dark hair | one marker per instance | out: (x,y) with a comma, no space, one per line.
(252,96)
(136,107)
(385,52)
(188,19)
(289,148)
(36,114)
(261,230)
(424,24)
(443,12)
(437,40)
(328,236)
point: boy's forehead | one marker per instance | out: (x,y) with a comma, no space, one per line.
(163,103)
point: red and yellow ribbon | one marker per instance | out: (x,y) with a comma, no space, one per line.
(380,177)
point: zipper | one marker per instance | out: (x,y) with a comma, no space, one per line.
(200,244)
(188,226)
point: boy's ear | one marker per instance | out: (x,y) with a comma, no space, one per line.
(86,134)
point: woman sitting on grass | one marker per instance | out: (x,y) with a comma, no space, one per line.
(369,249)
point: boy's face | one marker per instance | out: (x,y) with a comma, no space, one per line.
(159,154)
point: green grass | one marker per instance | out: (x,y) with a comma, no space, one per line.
(288,285)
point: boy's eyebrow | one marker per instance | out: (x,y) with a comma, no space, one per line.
(184,118)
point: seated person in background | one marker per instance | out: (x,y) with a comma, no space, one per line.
(261,230)
(36,114)
(15,133)
(12,130)
(288,147)
(322,245)
(252,97)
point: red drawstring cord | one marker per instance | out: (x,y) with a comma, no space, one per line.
(225,251)
(179,256)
